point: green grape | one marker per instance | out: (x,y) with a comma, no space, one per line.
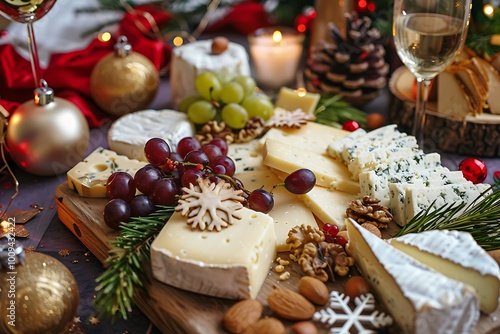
(234,115)
(232,92)
(187,102)
(200,112)
(258,106)
(208,85)
(248,84)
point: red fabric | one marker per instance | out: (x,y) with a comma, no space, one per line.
(244,18)
(69,73)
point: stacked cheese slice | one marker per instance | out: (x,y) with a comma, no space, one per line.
(433,282)
(390,167)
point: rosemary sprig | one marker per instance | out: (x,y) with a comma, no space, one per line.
(125,272)
(481,218)
(333,111)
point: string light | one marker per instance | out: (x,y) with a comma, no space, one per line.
(488,10)
(104,37)
(178,41)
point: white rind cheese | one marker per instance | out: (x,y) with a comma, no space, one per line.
(129,133)
(288,212)
(88,177)
(458,256)
(232,263)
(191,59)
(420,299)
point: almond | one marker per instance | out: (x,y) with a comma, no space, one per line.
(314,290)
(266,326)
(290,305)
(242,315)
(304,327)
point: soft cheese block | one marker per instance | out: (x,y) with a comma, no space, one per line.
(288,211)
(458,256)
(129,133)
(232,263)
(88,177)
(329,172)
(420,299)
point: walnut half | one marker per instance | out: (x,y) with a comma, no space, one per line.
(368,210)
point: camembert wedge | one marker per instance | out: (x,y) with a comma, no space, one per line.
(420,299)
(458,256)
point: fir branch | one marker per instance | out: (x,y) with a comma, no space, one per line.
(333,111)
(481,218)
(125,272)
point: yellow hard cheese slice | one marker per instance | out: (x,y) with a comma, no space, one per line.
(329,172)
(291,100)
(420,299)
(458,256)
(232,263)
(312,136)
(88,177)
(288,212)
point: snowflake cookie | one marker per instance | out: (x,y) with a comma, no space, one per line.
(339,310)
(291,119)
(208,205)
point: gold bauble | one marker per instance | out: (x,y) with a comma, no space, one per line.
(39,296)
(124,82)
(47,139)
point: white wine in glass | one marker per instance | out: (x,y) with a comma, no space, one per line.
(428,34)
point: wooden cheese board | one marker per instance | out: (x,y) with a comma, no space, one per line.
(176,311)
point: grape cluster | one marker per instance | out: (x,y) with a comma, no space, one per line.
(234,101)
(161,181)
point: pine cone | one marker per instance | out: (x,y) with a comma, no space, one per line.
(352,66)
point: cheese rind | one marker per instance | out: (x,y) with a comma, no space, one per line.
(420,299)
(88,177)
(288,211)
(458,256)
(232,263)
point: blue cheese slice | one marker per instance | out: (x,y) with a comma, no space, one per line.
(88,177)
(246,156)
(458,256)
(232,263)
(420,299)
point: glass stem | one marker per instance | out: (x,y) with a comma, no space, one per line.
(420,108)
(35,62)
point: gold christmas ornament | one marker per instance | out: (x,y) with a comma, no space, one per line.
(39,295)
(123,82)
(47,136)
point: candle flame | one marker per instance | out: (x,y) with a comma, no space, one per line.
(277,36)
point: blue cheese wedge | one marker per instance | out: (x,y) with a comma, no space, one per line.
(420,299)
(88,177)
(232,263)
(458,256)
(246,156)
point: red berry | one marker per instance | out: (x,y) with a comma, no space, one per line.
(350,126)
(340,240)
(331,230)
(496,176)
(473,169)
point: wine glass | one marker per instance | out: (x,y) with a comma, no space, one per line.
(28,11)
(428,34)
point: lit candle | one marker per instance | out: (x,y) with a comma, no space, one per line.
(276,55)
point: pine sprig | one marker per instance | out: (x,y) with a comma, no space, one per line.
(333,111)
(481,218)
(125,272)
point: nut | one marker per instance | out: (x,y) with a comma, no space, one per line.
(314,290)
(304,327)
(219,45)
(372,228)
(266,326)
(242,315)
(290,305)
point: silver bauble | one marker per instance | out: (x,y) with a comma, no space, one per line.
(47,136)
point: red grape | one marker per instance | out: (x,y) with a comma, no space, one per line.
(225,161)
(261,200)
(197,157)
(164,192)
(157,151)
(221,143)
(300,182)
(115,212)
(141,206)
(211,151)
(120,185)
(191,175)
(186,145)
(169,166)
(219,169)
(146,178)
